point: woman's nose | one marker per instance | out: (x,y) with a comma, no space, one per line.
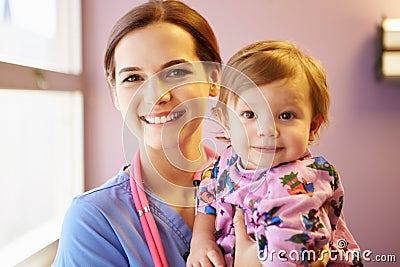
(164,98)
(156,93)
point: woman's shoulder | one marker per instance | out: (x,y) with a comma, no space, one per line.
(116,188)
(97,219)
(104,204)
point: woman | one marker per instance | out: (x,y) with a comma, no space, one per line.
(110,225)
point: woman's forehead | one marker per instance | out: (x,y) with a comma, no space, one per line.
(153,46)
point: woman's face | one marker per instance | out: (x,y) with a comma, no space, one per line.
(159,89)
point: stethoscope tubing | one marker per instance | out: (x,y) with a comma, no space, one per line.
(146,218)
(147,221)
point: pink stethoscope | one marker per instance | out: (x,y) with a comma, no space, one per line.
(147,221)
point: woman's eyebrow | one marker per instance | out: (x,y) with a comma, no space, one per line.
(129,69)
(163,66)
(173,62)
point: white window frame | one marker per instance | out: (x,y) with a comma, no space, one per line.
(58,74)
(60,53)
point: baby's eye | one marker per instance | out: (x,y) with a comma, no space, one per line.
(133,78)
(178,73)
(248,114)
(286,116)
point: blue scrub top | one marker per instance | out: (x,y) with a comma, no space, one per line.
(102,228)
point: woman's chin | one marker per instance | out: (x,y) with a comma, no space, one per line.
(160,142)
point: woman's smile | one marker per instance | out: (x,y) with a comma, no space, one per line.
(162,117)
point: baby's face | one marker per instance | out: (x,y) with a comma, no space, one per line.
(272,124)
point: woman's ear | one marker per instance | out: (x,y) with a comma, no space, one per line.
(214,80)
(111,84)
(314,127)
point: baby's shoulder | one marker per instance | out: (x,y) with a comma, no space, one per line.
(320,163)
(228,157)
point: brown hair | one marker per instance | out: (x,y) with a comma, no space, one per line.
(175,12)
(264,62)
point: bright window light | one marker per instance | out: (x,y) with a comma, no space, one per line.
(41,167)
(44,34)
(21,14)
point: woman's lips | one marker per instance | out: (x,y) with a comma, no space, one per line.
(161,118)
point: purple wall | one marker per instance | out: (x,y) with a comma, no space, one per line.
(362,139)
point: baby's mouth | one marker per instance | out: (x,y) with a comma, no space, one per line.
(172,116)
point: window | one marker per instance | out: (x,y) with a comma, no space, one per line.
(44,34)
(41,118)
(41,167)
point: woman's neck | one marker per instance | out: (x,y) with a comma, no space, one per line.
(172,165)
(169,174)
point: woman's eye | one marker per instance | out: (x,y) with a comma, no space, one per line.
(178,73)
(286,116)
(248,115)
(133,78)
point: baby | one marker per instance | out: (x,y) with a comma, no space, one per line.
(273,101)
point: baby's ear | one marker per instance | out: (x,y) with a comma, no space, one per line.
(314,127)
(221,117)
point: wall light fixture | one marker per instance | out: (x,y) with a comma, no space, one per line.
(389,48)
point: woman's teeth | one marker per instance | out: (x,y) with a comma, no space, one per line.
(163,119)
